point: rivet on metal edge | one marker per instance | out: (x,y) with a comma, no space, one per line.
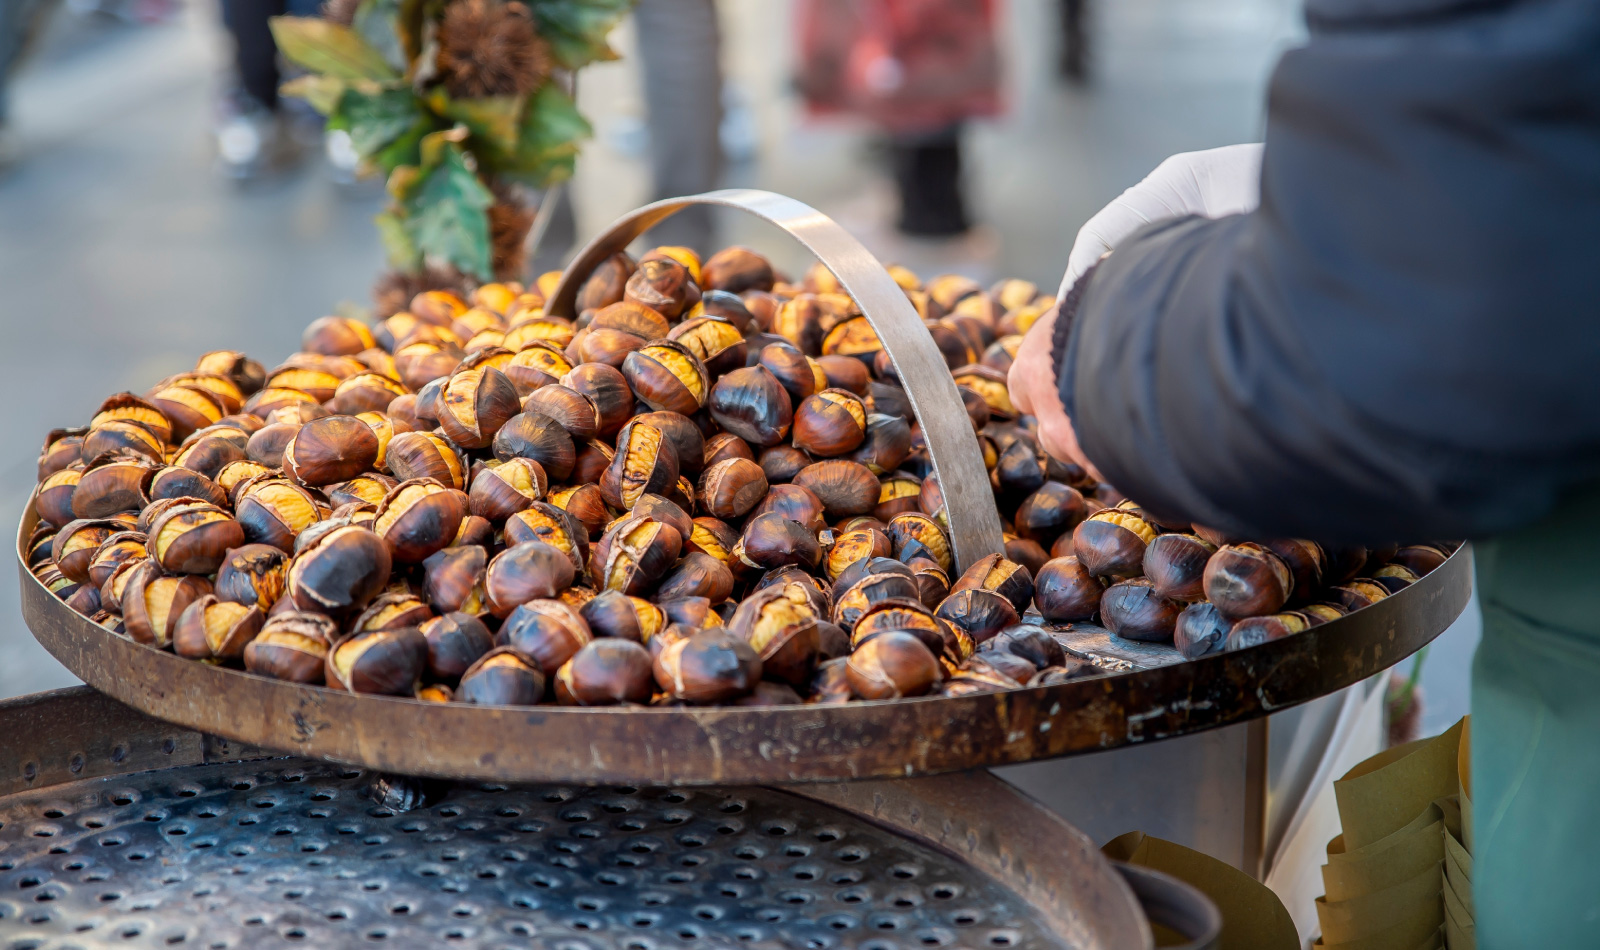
(30,771)
(75,764)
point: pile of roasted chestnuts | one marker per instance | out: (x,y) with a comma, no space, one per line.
(708,488)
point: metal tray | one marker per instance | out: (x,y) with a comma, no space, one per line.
(742,745)
(1148,694)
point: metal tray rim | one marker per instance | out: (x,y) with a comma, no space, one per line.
(889,739)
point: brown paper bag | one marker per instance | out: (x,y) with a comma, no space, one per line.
(1384,864)
(1394,938)
(1414,902)
(1252,916)
(1383,794)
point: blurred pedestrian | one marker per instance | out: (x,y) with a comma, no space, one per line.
(254,134)
(21,22)
(918,69)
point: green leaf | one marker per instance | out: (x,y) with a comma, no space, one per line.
(378,23)
(406,150)
(577,29)
(547,141)
(323,92)
(329,48)
(397,244)
(492,121)
(447,213)
(378,119)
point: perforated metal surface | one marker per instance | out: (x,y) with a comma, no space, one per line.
(287,853)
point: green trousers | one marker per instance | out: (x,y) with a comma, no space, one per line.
(1536,735)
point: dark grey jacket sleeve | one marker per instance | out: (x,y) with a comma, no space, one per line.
(1404,340)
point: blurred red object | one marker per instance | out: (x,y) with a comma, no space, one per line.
(907,65)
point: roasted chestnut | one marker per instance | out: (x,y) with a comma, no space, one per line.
(667,376)
(1395,577)
(425,455)
(1007,578)
(604,673)
(1133,610)
(152,602)
(191,538)
(850,604)
(216,629)
(833,422)
(645,462)
(113,482)
(1030,643)
(1361,592)
(637,553)
(1247,580)
(751,404)
(698,575)
(890,666)
(917,535)
(1176,564)
(542,521)
(781,463)
(710,666)
(771,541)
(780,624)
(253,575)
(418,517)
(388,662)
(121,436)
(855,545)
(1200,629)
(1112,542)
(528,571)
(886,445)
(844,487)
(736,270)
(292,646)
(731,487)
(176,482)
(1049,512)
(606,283)
(74,546)
(1254,631)
(113,551)
(501,677)
(1305,560)
(392,609)
(615,614)
(548,632)
(454,642)
(586,504)
(274,511)
(535,366)
(501,489)
(329,450)
(340,571)
(536,436)
(980,613)
(1420,558)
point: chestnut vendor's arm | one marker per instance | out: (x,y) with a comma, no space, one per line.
(1404,340)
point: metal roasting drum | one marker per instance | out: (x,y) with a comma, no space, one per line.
(123,831)
(1147,694)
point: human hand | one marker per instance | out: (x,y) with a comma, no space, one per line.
(1213,183)
(1032,382)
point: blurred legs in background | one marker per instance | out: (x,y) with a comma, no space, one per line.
(253,134)
(679,49)
(927,171)
(21,21)
(1074,40)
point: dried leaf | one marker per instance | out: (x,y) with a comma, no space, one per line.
(330,49)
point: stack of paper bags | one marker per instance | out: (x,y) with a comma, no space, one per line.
(1391,877)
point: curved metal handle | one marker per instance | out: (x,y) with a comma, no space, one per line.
(956,456)
(1176,905)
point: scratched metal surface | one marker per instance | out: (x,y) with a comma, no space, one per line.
(738,745)
(117,829)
